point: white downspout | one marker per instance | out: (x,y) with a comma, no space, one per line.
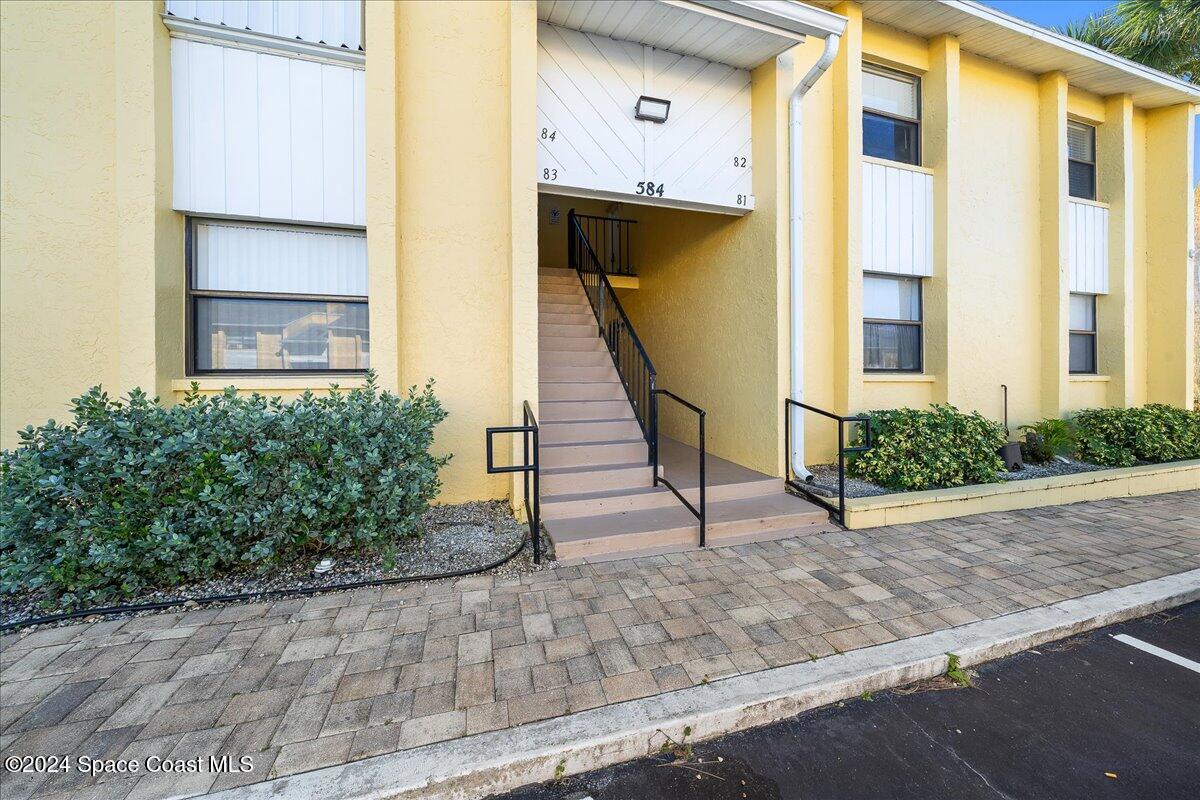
(796,189)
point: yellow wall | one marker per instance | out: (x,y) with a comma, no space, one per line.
(92,255)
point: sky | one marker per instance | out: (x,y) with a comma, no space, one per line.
(1052,13)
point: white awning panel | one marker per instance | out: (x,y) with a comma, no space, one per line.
(259,135)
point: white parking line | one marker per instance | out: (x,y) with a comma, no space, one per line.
(1187,663)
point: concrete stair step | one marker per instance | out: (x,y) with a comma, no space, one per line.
(614,501)
(583,316)
(557,272)
(601,453)
(604,372)
(547,331)
(577,410)
(546,290)
(553,344)
(568,480)
(562,304)
(600,430)
(730,520)
(582,390)
(574,358)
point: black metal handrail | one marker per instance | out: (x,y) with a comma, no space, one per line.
(629,356)
(701,512)
(611,239)
(839,511)
(528,431)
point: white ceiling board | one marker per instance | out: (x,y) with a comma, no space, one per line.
(679,27)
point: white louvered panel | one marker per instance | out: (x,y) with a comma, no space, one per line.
(337,23)
(897,220)
(1088,247)
(247,257)
(260,135)
(590,142)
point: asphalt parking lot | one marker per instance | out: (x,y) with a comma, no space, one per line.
(1113,713)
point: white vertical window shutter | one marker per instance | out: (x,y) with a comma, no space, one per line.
(337,23)
(238,257)
(260,135)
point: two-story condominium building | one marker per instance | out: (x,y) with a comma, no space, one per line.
(859,205)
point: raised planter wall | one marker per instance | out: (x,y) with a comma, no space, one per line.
(961,501)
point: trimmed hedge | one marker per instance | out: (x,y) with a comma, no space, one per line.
(1121,437)
(133,495)
(926,449)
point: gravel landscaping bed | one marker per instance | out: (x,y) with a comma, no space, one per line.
(825,477)
(454,538)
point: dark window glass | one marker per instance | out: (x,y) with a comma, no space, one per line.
(1083,353)
(1082,179)
(253,334)
(891,139)
(891,346)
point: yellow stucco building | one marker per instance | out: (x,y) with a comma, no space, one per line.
(276,198)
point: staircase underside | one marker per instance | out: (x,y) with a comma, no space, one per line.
(598,497)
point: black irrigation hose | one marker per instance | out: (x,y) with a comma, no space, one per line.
(231,598)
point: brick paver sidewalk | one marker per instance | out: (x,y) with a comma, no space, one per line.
(302,684)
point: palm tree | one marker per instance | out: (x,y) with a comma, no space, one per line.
(1163,34)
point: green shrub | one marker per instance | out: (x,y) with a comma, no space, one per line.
(924,449)
(1119,437)
(133,495)
(1048,438)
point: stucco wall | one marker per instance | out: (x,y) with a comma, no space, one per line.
(58,278)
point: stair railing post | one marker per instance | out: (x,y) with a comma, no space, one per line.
(654,427)
(572,244)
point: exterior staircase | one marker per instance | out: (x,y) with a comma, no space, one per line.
(598,495)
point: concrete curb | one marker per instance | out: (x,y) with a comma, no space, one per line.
(503,760)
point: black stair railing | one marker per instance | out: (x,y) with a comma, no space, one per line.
(807,489)
(632,363)
(630,358)
(611,240)
(531,468)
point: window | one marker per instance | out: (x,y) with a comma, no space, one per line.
(891,115)
(274,298)
(891,324)
(1081,160)
(1083,334)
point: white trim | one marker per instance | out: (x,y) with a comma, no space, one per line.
(209,33)
(783,18)
(667,202)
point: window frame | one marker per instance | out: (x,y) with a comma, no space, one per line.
(1092,164)
(919,323)
(889,72)
(1094,333)
(192,295)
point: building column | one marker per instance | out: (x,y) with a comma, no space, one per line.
(846,74)
(1170,273)
(382,91)
(1114,311)
(1055,271)
(149,233)
(940,104)
(523,255)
